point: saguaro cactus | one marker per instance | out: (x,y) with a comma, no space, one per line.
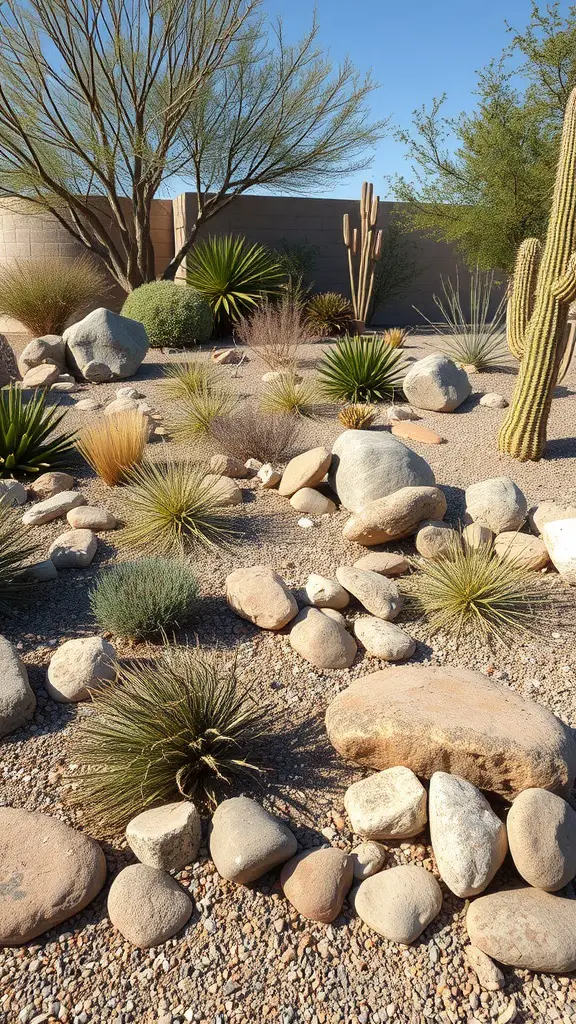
(364,251)
(539,331)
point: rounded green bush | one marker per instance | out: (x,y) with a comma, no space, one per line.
(143,598)
(173,314)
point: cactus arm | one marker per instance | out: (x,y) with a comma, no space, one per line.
(521,300)
(564,289)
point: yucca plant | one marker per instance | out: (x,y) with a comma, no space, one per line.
(477,341)
(327,314)
(471,591)
(177,729)
(172,507)
(233,275)
(286,394)
(144,598)
(15,550)
(181,380)
(196,413)
(27,444)
(43,293)
(357,416)
(113,445)
(396,336)
(361,369)
(248,433)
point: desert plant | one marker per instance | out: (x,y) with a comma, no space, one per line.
(26,429)
(179,728)
(328,314)
(233,275)
(8,364)
(297,261)
(470,590)
(197,412)
(15,550)
(357,416)
(480,343)
(361,369)
(172,314)
(249,433)
(367,247)
(287,394)
(113,445)
(143,598)
(172,507)
(43,294)
(275,331)
(396,336)
(181,380)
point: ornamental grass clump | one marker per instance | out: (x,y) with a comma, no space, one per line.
(287,394)
(248,433)
(15,550)
(43,294)
(361,369)
(470,591)
(197,412)
(357,416)
(27,441)
(395,336)
(327,314)
(275,332)
(172,507)
(113,445)
(183,380)
(144,598)
(177,729)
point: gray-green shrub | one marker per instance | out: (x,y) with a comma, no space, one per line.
(144,598)
(173,314)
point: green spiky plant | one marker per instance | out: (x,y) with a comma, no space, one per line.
(15,550)
(361,369)
(233,275)
(144,598)
(197,411)
(538,328)
(286,394)
(328,313)
(181,380)
(27,444)
(173,507)
(177,729)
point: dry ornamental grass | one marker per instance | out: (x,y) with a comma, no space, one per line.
(275,332)
(248,433)
(113,445)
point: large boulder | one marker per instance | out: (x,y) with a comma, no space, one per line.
(246,841)
(105,346)
(78,667)
(542,837)
(305,470)
(525,928)
(260,595)
(49,349)
(395,516)
(497,503)
(549,512)
(48,872)
(17,700)
(399,903)
(437,384)
(367,465)
(448,719)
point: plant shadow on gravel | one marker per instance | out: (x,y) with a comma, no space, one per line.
(560,448)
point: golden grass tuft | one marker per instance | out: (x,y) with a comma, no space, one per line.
(357,416)
(288,395)
(114,445)
(396,336)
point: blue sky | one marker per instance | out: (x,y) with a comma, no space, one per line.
(417,49)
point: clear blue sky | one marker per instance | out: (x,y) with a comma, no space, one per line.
(417,49)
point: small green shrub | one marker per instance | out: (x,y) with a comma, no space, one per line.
(15,550)
(26,429)
(248,433)
(177,729)
(43,294)
(233,275)
(197,412)
(327,314)
(143,598)
(172,507)
(287,394)
(361,369)
(181,380)
(173,315)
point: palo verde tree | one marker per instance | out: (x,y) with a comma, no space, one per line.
(119,98)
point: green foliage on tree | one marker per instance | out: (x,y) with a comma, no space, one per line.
(483,180)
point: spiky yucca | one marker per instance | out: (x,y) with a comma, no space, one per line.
(15,550)
(361,369)
(196,413)
(172,506)
(328,313)
(357,416)
(113,445)
(395,336)
(233,275)
(177,729)
(182,380)
(27,444)
(144,598)
(287,394)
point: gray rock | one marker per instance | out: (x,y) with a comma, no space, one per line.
(78,667)
(542,836)
(387,805)
(52,508)
(104,339)
(48,484)
(166,837)
(325,593)
(397,413)
(368,465)
(396,516)
(367,859)
(260,595)
(12,493)
(492,400)
(383,639)
(42,571)
(147,906)
(17,700)
(316,883)
(74,549)
(437,384)
(321,640)
(525,928)
(88,405)
(379,595)
(246,841)
(399,903)
(496,503)
(50,348)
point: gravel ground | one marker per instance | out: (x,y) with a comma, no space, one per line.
(245,954)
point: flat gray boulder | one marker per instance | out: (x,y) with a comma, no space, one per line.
(105,346)
(50,349)
(437,384)
(17,700)
(367,465)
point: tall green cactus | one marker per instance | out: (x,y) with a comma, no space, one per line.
(540,334)
(521,301)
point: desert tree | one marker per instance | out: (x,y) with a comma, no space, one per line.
(115,100)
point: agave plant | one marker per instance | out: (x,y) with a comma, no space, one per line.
(361,369)
(26,429)
(233,275)
(328,313)
(15,549)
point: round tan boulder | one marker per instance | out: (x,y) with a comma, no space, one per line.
(48,484)
(321,640)
(41,376)
(542,837)
(559,537)
(387,805)
(497,503)
(313,502)
(523,549)
(368,858)
(260,595)
(375,592)
(78,667)
(305,470)
(525,928)
(384,562)
(420,716)
(166,837)
(90,517)
(435,539)
(246,841)
(225,490)
(316,883)
(476,536)
(50,348)
(147,906)
(227,465)
(325,593)
(399,903)
(395,516)
(383,639)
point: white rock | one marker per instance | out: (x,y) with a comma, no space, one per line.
(399,903)
(166,837)
(396,413)
(17,700)
(468,839)
(560,540)
(496,503)
(74,549)
(370,464)
(387,805)
(90,517)
(78,667)
(52,508)
(305,523)
(12,493)
(268,476)
(549,512)
(325,593)
(368,858)
(307,499)
(492,400)
(126,391)
(383,639)
(253,465)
